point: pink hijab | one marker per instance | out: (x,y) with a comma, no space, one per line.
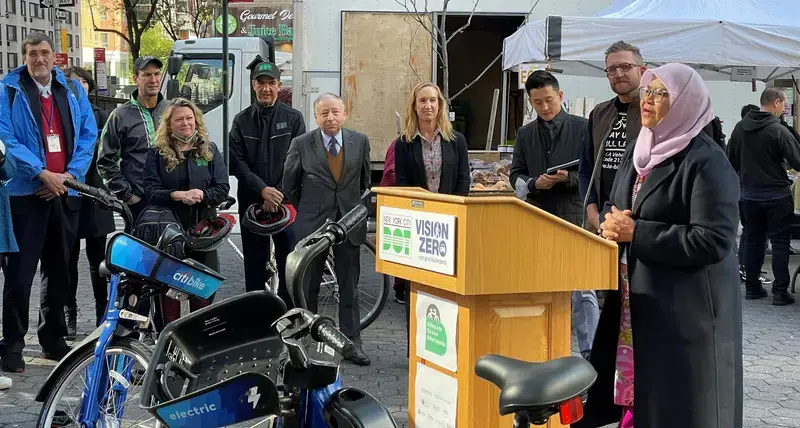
(690,111)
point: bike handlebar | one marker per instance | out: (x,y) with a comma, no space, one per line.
(307,250)
(104,198)
(324,331)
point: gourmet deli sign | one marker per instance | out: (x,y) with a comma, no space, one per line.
(419,239)
(264,21)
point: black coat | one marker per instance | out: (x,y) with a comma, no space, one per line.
(94,220)
(686,309)
(210,177)
(532,160)
(410,166)
(259,141)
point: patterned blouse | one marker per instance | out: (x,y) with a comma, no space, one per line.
(432,158)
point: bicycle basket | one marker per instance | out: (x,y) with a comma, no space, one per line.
(139,259)
(218,353)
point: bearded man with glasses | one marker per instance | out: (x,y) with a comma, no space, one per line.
(613,127)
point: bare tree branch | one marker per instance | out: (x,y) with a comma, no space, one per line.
(469,21)
(106,30)
(420,17)
(528,16)
(414,30)
(170,18)
(468,85)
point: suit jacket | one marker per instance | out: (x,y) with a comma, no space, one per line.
(308,182)
(410,166)
(532,160)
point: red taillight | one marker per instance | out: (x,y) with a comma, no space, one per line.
(571,411)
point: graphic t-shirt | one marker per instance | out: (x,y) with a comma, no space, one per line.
(614,150)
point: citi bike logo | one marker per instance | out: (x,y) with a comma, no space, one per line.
(189,280)
(397,240)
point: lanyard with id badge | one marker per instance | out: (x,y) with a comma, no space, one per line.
(53,140)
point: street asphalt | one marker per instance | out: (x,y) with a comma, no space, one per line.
(771,347)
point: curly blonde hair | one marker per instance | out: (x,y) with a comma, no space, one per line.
(169,146)
(442,120)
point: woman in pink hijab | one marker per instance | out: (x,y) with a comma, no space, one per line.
(668,348)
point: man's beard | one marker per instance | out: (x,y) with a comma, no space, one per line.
(623,88)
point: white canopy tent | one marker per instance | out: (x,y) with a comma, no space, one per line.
(714,36)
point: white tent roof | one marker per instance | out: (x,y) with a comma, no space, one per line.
(712,35)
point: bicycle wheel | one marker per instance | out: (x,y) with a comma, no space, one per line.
(124,355)
(373,288)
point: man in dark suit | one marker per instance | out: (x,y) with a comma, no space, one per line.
(326,172)
(554,138)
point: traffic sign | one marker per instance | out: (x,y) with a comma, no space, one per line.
(61,60)
(48,4)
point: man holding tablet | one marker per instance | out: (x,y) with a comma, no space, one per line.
(545,173)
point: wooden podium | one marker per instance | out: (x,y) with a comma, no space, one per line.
(493,275)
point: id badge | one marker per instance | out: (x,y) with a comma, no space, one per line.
(53,143)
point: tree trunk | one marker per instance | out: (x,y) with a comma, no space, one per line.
(445,59)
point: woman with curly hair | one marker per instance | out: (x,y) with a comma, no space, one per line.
(186,173)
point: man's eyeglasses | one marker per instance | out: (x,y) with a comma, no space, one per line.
(657,94)
(626,67)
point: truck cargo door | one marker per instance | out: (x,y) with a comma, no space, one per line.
(384,55)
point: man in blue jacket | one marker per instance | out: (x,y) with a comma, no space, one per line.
(48,126)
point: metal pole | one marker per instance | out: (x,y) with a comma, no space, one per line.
(225,82)
(298,64)
(504,109)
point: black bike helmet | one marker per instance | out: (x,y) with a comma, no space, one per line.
(209,234)
(265,223)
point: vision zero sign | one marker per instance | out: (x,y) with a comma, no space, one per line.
(419,239)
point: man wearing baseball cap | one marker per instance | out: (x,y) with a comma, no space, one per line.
(259,141)
(129,134)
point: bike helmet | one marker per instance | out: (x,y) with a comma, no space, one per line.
(209,234)
(265,223)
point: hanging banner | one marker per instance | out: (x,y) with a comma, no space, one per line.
(277,21)
(256,21)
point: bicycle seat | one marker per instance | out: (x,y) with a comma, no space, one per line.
(530,386)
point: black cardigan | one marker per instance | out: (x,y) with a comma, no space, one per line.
(210,177)
(410,167)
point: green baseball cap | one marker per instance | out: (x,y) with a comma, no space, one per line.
(265,68)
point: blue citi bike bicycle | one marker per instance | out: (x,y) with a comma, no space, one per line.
(241,359)
(247,357)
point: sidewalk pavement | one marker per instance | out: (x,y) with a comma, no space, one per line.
(771,349)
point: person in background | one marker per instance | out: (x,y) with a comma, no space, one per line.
(743,238)
(94,224)
(321,185)
(429,154)
(613,126)
(554,138)
(186,173)
(8,244)
(130,133)
(259,141)
(47,125)
(759,147)
(673,331)
(390,179)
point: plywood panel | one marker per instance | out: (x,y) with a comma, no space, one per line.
(384,55)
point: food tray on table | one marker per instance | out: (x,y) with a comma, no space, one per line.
(218,365)
(490,178)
